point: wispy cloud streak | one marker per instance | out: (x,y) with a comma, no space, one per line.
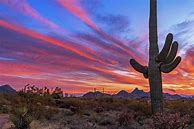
(84,52)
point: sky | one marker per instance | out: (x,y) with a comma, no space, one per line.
(80,45)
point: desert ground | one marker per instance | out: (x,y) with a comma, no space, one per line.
(35,111)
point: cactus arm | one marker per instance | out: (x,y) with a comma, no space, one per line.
(138,67)
(145,75)
(164,52)
(166,68)
(171,56)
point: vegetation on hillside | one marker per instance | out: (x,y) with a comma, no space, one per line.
(41,108)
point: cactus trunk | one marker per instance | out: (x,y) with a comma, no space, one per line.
(155,81)
(154,73)
(164,61)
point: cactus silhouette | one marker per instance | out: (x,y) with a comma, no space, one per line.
(164,61)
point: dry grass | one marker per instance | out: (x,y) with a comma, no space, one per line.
(101,113)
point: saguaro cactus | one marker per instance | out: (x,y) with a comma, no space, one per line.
(164,61)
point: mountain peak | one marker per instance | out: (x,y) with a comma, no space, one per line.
(139,93)
(7,89)
(5,86)
(122,91)
(136,91)
(95,94)
(136,88)
(122,94)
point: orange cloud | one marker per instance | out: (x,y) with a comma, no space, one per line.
(25,8)
(74,7)
(45,38)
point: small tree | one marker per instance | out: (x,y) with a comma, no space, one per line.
(57,93)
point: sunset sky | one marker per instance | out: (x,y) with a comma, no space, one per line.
(80,45)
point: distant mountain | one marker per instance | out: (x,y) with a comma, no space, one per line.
(122,94)
(169,96)
(136,93)
(95,94)
(7,89)
(186,96)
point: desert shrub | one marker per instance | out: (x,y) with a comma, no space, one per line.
(44,100)
(17,101)
(105,122)
(67,103)
(39,112)
(125,118)
(4,99)
(4,109)
(140,106)
(107,103)
(170,121)
(33,98)
(119,104)
(57,93)
(49,113)
(106,99)
(76,105)
(21,118)
(76,109)
(180,105)
(114,104)
(99,109)
(103,106)
(190,112)
(89,104)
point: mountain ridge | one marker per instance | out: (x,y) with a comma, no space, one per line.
(136,93)
(7,89)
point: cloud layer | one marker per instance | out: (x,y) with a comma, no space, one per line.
(38,50)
